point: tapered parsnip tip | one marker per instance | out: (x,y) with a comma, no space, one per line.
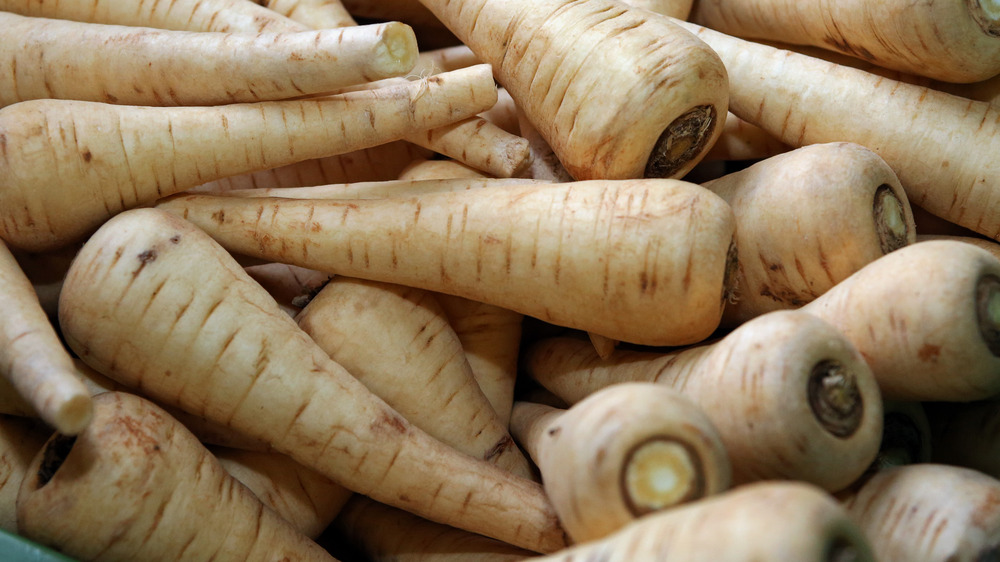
(988,311)
(659,473)
(73,413)
(397,52)
(890,220)
(684,140)
(835,398)
(987,15)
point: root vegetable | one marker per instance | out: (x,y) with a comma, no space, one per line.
(623,452)
(397,341)
(786,392)
(479,144)
(950,41)
(291,286)
(317,14)
(670,90)
(381,189)
(808,219)
(20,441)
(166,68)
(926,318)
(643,261)
(929,512)
(741,140)
(33,359)
(378,163)
(941,146)
(153,302)
(386,534)
(438,169)
(69,165)
(184,15)
(679,9)
(307,500)
(158,492)
(764,521)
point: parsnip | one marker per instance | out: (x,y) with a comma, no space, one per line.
(164,67)
(741,140)
(33,359)
(947,40)
(808,219)
(317,14)
(68,165)
(158,492)
(382,189)
(786,391)
(184,15)
(156,304)
(643,261)
(20,441)
(929,512)
(926,318)
(623,452)
(670,89)
(480,144)
(426,169)
(940,146)
(764,521)
(397,341)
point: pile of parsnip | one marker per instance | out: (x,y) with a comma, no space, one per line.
(500,280)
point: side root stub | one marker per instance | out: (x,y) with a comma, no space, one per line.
(682,141)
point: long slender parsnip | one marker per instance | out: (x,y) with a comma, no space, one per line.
(764,521)
(941,146)
(317,14)
(66,166)
(786,391)
(305,498)
(561,59)
(136,485)
(679,9)
(386,534)
(926,318)
(41,59)
(397,341)
(480,144)
(382,189)
(623,452)
(183,15)
(808,219)
(153,302)
(943,39)
(33,359)
(643,261)
(929,512)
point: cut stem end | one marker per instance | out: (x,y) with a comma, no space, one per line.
(835,399)
(681,142)
(987,15)
(890,220)
(988,312)
(661,472)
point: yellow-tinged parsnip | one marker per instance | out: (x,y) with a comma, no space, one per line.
(643,261)
(157,305)
(670,90)
(164,67)
(806,220)
(763,521)
(67,166)
(33,359)
(397,341)
(623,452)
(943,39)
(928,512)
(136,485)
(184,15)
(941,146)
(926,318)
(787,392)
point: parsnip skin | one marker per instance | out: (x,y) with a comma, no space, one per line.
(66,166)
(642,261)
(20,441)
(184,15)
(623,452)
(926,318)
(786,391)
(763,521)
(670,90)
(165,67)
(156,304)
(806,220)
(929,513)
(160,495)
